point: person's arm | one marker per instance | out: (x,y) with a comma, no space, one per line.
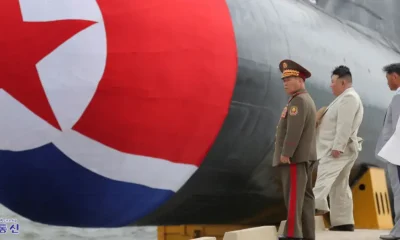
(395,110)
(347,110)
(320,114)
(295,123)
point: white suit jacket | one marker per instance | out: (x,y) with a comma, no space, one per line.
(389,124)
(339,125)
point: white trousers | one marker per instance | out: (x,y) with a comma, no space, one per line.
(333,180)
(394,177)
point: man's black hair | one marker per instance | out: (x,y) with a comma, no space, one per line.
(392,68)
(342,72)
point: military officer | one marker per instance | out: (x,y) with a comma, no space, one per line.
(295,152)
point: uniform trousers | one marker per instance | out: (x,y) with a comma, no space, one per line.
(333,180)
(394,178)
(296,182)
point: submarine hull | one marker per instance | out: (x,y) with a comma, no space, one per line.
(236,183)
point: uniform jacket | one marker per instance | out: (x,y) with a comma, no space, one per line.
(339,125)
(390,122)
(295,136)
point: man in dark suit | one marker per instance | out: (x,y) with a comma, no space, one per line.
(295,152)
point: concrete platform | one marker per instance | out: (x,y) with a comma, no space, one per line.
(323,233)
(356,235)
(204,238)
(256,233)
(319,225)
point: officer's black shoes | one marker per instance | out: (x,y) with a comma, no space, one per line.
(345,228)
(289,238)
(389,237)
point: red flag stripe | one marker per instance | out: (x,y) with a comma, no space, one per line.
(292,201)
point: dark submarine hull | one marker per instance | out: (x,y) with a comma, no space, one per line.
(381,16)
(236,183)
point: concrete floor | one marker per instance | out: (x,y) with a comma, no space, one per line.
(36,231)
(322,233)
(356,235)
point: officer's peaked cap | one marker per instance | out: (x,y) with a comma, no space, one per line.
(290,68)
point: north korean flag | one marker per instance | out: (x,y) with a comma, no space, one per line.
(108,106)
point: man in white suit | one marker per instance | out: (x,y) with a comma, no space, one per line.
(389,127)
(337,150)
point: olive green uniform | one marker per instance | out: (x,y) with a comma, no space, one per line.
(295,138)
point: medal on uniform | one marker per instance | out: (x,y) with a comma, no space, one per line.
(284,112)
(293,111)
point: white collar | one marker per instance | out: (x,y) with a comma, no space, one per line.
(349,89)
(398,91)
(340,96)
(345,91)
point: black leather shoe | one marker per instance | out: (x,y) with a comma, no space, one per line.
(389,237)
(345,228)
(288,238)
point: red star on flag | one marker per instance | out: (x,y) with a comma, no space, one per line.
(22,46)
